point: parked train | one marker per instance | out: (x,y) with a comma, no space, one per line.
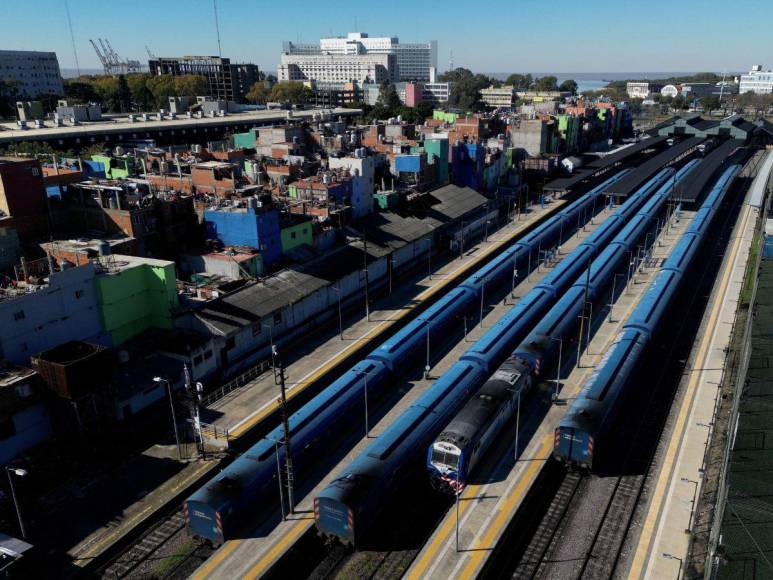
(465,440)
(249,484)
(584,425)
(348,505)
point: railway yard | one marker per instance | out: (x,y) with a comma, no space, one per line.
(606,312)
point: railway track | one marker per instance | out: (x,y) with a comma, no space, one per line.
(150,543)
(587,524)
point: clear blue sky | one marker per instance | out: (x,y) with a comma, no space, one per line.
(493,36)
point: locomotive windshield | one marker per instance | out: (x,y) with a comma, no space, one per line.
(444,455)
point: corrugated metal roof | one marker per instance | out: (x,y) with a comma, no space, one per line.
(698,178)
(384,232)
(633,180)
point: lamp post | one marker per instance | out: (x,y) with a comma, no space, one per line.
(279,479)
(692,503)
(517,420)
(672,557)
(612,296)
(18,472)
(426,366)
(340,317)
(458,493)
(515,275)
(271,338)
(174,416)
(558,368)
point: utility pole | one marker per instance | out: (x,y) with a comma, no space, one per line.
(582,316)
(279,379)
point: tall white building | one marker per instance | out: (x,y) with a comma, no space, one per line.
(35,73)
(757,81)
(413,60)
(337,68)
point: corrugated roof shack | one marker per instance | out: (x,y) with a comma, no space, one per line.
(291,302)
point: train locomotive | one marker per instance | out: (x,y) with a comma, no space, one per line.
(248,486)
(464,441)
(346,508)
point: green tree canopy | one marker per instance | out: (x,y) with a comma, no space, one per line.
(290,92)
(520,82)
(259,93)
(710,103)
(544,84)
(387,97)
(569,85)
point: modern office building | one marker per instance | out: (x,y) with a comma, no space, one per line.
(227,82)
(414,61)
(498,97)
(642,90)
(338,68)
(35,73)
(757,81)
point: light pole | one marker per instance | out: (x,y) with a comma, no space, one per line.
(271,338)
(279,479)
(458,493)
(18,472)
(672,557)
(174,416)
(340,317)
(692,504)
(482,292)
(558,368)
(612,296)
(426,366)
(515,275)
(517,420)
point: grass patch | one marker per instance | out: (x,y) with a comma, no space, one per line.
(168,563)
(751,269)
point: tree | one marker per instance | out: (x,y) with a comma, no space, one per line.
(569,85)
(545,84)
(123,95)
(141,96)
(291,92)
(190,86)
(710,103)
(8,94)
(424,110)
(520,82)
(80,90)
(258,93)
(679,102)
(387,97)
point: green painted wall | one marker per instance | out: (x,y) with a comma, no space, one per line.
(445,117)
(115,168)
(302,235)
(246,140)
(138,297)
(438,148)
(292,191)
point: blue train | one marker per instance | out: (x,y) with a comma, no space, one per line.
(584,424)
(464,441)
(249,484)
(348,505)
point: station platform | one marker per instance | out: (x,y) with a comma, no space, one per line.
(245,407)
(242,409)
(486,509)
(265,545)
(667,523)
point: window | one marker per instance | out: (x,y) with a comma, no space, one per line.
(256,328)
(197,360)
(292,235)
(19,315)
(79,294)
(277,318)
(230,343)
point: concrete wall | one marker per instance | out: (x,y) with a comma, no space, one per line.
(137,298)
(66,310)
(32,426)
(531,136)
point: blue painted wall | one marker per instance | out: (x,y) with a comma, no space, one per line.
(256,229)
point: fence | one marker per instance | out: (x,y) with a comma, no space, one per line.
(236,383)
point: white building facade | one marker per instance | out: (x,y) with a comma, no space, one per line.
(337,68)
(34,73)
(494,97)
(413,60)
(757,81)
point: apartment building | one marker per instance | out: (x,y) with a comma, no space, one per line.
(35,73)
(757,81)
(414,61)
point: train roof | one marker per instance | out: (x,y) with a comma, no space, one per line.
(700,176)
(633,180)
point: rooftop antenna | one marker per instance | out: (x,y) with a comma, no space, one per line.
(72,37)
(451,60)
(217,27)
